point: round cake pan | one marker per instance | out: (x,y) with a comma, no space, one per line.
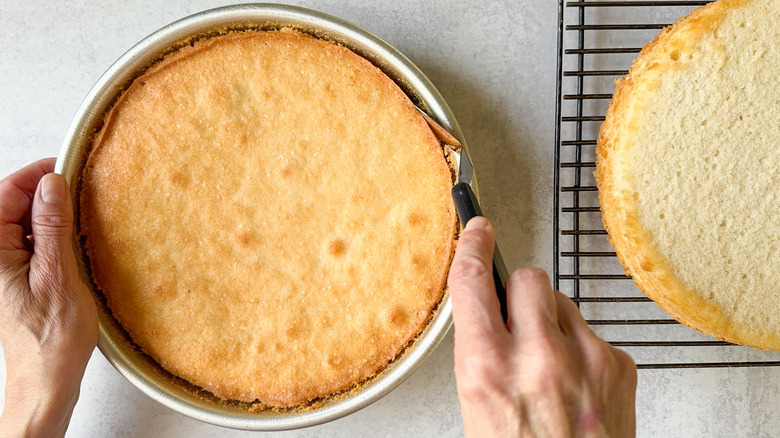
(114,344)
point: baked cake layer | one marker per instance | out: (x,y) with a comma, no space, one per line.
(268,216)
(687,171)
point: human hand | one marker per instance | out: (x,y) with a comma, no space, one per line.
(48,319)
(542,374)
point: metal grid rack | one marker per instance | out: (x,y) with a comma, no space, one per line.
(597,40)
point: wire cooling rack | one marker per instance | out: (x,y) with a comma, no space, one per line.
(597,40)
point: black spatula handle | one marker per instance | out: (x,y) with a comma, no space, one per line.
(468,207)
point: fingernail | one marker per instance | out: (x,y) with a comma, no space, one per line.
(52,189)
(477,222)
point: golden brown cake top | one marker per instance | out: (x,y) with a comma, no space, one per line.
(268,217)
(687,172)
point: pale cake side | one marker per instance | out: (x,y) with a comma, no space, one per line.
(687,173)
(268,217)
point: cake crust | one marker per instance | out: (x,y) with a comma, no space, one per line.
(645,255)
(268,217)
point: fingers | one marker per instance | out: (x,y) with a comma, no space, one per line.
(475,307)
(595,353)
(577,329)
(532,304)
(52,225)
(17,190)
(570,318)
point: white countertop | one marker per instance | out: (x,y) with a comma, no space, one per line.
(495,63)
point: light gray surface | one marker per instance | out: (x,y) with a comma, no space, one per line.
(495,64)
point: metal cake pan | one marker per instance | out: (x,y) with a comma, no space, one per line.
(113,342)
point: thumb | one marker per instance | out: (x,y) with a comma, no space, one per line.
(52,222)
(475,308)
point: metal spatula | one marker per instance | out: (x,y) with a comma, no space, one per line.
(468,207)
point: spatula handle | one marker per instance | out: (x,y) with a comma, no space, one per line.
(466,203)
